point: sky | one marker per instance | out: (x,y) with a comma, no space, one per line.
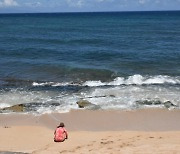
(28,6)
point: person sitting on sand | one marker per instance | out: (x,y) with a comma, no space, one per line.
(60,134)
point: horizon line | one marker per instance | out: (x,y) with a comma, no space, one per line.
(90,12)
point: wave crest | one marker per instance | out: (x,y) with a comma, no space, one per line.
(137,80)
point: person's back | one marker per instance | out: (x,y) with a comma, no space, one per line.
(60,133)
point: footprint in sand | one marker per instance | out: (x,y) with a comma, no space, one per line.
(90,145)
(7,127)
(78,147)
(121,146)
(107,142)
(125,145)
(103,139)
(64,151)
(71,151)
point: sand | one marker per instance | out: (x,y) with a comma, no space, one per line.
(96,132)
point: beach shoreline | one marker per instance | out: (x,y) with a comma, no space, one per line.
(100,131)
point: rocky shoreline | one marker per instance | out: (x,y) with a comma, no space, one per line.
(81,104)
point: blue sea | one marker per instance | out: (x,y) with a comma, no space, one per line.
(115,60)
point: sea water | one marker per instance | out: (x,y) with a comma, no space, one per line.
(115,60)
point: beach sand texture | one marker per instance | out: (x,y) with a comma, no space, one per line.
(89,134)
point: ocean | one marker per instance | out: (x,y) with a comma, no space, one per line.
(115,60)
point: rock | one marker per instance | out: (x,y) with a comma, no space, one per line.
(83,103)
(169,104)
(15,108)
(87,104)
(149,102)
(157,102)
(27,107)
(112,96)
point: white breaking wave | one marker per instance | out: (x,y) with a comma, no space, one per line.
(135,79)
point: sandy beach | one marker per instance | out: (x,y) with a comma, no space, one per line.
(138,131)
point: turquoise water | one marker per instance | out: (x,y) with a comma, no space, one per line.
(63,57)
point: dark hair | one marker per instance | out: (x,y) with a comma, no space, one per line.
(61,124)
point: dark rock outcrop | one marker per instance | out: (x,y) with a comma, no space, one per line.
(169,104)
(14,108)
(27,107)
(87,104)
(83,103)
(149,102)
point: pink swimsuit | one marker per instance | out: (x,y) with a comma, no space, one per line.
(60,134)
